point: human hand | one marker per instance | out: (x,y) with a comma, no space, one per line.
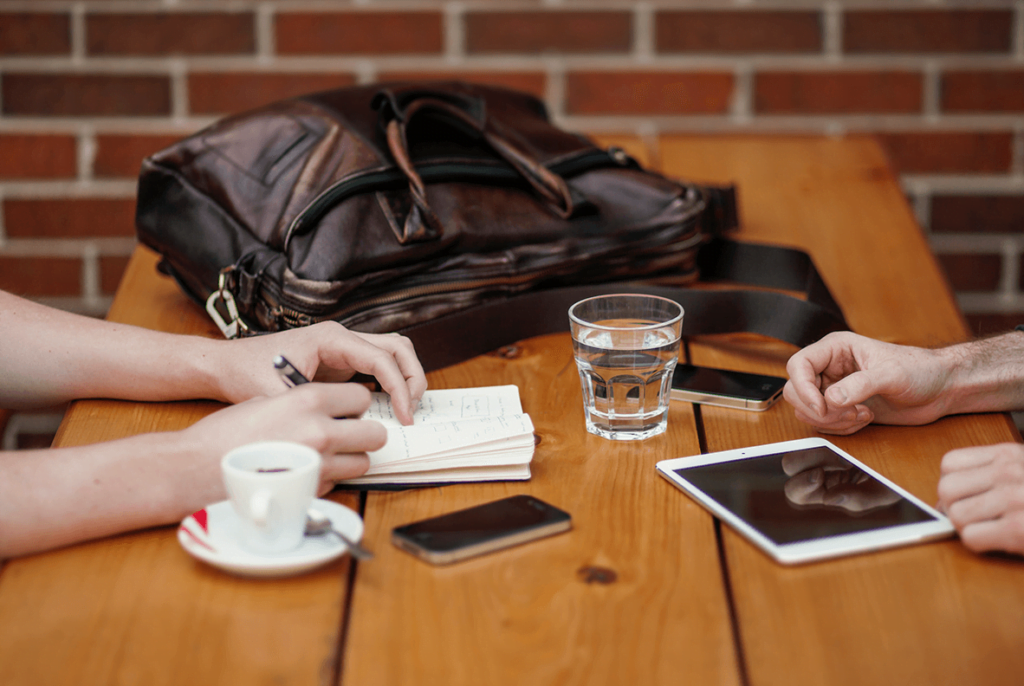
(329,352)
(845,381)
(982,492)
(322,416)
(820,477)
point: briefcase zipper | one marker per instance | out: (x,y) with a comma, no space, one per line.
(293,317)
(385,179)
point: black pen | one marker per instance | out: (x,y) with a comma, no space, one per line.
(291,376)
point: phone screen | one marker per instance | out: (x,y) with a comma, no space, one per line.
(481,529)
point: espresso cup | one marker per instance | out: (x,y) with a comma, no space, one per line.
(271,485)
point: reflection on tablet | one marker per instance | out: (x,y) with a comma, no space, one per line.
(803,495)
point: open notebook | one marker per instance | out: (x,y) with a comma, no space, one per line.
(462,434)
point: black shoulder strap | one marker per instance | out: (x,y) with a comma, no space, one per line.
(460,336)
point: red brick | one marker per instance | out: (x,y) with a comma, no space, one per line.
(977,214)
(949,151)
(37,156)
(85,95)
(111,270)
(170,33)
(119,155)
(928,31)
(650,93)
(530,82)
(738,32)
(230,92)
(988,324)
(35,34)
(69,218)
(972,272)
(837,92)
(983,91)
(359,33)
(41,276)
(548,31)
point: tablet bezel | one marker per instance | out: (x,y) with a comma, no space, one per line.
(819,548)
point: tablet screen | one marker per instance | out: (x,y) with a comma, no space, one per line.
(804,494)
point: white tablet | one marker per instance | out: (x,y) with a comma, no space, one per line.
(805,500)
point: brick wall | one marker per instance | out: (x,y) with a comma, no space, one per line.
(87,88)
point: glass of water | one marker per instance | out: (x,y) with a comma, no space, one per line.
(626,348)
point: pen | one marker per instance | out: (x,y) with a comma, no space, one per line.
(291,376)
(317,523)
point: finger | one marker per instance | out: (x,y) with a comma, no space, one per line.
(964,484)
(800,397)
(404,353)
(1005,534)
(805,488)
(839,424)
(332,400)
(800,461)
(852,389)
(340,467)
(368,358)
(860,497)
(982,507)
(803,388)
(975,456)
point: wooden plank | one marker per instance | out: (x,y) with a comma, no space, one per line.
(136,609)
(932,614)
(538,614)
(835,198)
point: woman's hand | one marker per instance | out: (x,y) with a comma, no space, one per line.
(327,352)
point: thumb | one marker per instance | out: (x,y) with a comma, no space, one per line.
(853,389)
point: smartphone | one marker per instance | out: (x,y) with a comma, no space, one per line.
(726,388)
(482,529)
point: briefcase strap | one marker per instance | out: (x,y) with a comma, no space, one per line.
(451,339)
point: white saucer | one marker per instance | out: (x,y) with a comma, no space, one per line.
(211,535)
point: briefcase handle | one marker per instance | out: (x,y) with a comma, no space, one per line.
(397,107)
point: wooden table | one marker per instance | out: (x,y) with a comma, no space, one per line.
(647,588)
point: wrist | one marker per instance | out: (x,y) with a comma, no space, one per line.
(986,375)
(203,358)
(189,473)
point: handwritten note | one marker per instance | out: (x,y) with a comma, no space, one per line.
(462,434)
(446,405)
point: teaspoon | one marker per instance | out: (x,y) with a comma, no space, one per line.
(318,523)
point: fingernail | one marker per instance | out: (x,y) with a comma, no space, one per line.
(839,500)
(863,415)
(815,477)
(838,395)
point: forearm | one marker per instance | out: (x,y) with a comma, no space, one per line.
(986,375)
(52,498)
(49,357)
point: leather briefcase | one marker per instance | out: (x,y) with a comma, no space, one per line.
(457,214)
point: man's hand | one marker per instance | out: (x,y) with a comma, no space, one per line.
(982,493)
(845,381)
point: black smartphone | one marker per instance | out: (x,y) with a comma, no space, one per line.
(726,388)
(482,529)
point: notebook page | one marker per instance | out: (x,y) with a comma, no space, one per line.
(446,405)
